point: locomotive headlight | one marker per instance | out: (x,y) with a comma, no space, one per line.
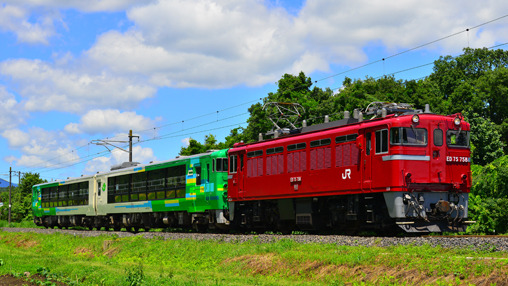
(415,118)
(456,121)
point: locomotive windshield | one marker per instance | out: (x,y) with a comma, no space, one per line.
(457,138)
(408,136)
(221,164)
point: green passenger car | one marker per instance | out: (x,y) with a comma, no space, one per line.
(186,191)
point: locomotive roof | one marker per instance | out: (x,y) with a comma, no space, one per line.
(345,124)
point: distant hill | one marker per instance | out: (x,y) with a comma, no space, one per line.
(5,184)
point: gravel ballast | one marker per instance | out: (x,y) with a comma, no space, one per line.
(481,243)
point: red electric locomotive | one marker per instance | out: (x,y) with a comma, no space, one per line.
(404,168)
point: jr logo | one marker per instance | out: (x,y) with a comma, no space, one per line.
(346,174)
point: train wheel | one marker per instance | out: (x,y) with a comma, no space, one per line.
(200,227)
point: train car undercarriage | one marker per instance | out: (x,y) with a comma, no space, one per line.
(384,213)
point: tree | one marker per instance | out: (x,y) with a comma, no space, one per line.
(475,82)
(291,89)
(21,198)
(460,79)
(485,139)
(488,200)
(196,148)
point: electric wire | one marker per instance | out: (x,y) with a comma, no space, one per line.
(414,48)
(170,135)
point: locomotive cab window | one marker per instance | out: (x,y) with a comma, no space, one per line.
(382,141)
(369,142)
(457,138)
(438,137)
(232,163)
(408,136)
(220,164)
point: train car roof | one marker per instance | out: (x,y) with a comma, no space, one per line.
(131,169)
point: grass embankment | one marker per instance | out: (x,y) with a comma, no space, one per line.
(109,260)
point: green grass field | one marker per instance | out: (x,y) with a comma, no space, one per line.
(110,260)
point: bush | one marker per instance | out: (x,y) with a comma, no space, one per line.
(488,201)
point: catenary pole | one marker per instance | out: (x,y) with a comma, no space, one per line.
(10,187)
(130,145)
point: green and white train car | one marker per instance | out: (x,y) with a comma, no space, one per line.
(183,192)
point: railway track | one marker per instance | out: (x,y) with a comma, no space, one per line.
(469,235)
(489,243)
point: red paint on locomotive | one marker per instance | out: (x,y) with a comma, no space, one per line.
(383,155)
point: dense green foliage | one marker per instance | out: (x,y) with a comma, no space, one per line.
(196,148)
(485,140)
(488,202)
(111,260)
(21,198)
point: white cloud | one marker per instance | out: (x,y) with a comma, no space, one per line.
(85,6)
(16,137)
(47,88)
(397,25)
(186,141)
(104,164)
(11,113)
(202,43)
(226,43)
(17,19)
(109,121)
(33,21)
(41,148)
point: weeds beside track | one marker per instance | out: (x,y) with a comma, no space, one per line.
(112,259)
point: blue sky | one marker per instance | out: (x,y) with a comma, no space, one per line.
(76,71)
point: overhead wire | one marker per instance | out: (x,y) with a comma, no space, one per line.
(170,135)
(423,65)
(414,48)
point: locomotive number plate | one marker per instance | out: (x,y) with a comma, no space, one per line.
(456,159)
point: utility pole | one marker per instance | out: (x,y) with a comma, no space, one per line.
(108,142)
(130,144)
(10,187)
